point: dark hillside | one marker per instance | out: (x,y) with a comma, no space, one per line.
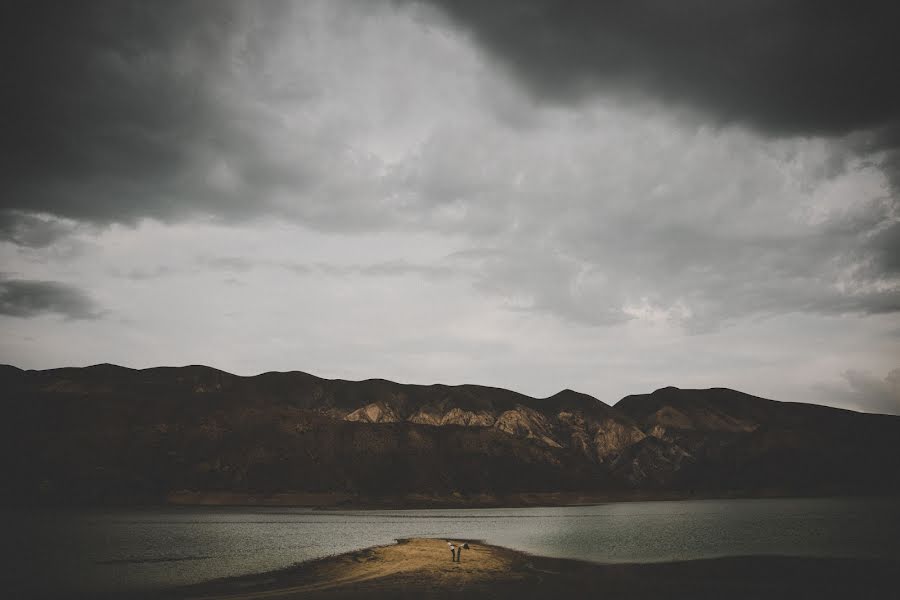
(110,434)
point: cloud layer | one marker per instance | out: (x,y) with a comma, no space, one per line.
(609,168)
(799,67)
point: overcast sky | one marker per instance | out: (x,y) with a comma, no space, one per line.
(606,196)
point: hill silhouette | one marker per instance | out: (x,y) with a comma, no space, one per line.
(109,434)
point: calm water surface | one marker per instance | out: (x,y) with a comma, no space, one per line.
(136,550)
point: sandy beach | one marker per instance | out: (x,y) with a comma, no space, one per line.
(418,568)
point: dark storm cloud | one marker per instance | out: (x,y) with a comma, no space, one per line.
(117,111)
(786,68)
(105,103)
(885,245)
(342,117)
(33,231)
(789,67)
(30,298)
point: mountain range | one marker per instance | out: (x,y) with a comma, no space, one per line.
(108,434)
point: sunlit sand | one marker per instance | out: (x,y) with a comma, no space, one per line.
(417,568)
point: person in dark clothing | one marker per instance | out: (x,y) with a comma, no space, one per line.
(452,551)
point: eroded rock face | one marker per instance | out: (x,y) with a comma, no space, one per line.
(454,416)
(425,418)
(660,432)
(580,442)
(611,437)
(373,413)
(578,435)
(598,439)
(572,419)
(524,422)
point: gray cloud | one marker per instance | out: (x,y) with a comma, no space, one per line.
(865,391)
(700,240)
(234,264)
(341,117)
(143,274)
(117,111)
(798,67)
(802,67)
(29,298)
(528,194)
(34,230)
(392,268)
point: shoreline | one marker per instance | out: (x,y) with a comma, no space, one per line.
(333,501)
(418,567)
(339,501)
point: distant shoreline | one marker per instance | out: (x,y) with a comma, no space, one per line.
(345,501)
(413,568)
(337,501)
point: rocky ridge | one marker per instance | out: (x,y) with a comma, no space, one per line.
(108,433)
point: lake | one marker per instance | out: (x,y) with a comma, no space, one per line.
(52,552)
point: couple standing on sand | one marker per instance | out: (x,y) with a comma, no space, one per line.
(456,551)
